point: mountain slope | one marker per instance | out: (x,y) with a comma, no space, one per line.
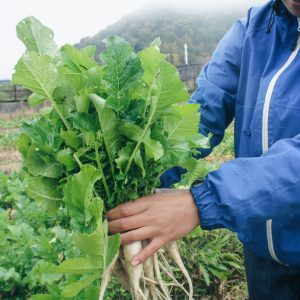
(199,30)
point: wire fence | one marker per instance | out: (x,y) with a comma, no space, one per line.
(10,93)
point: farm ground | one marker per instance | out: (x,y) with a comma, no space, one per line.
(10,159)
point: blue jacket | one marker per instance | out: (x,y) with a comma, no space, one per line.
(254,77)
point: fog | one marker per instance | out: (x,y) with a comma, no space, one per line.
(210,5)
(71,20)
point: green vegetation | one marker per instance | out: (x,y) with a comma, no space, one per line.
(113,129)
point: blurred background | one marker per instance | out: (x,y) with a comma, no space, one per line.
(189,31)
(200,24)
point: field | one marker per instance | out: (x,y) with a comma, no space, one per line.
(36,242)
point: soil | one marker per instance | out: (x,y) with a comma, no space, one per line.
(10,160)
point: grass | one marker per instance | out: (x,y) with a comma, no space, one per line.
(9,133)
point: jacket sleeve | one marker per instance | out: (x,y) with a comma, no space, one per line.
(216,91)
(250,190)
(218,84)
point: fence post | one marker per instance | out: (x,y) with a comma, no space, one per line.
(15,93)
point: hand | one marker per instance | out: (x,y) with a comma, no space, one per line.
(162,218)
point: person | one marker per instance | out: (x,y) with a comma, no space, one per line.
(253,76)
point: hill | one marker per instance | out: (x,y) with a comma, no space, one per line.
(201,31)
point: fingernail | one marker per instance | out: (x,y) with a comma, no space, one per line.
(135,262)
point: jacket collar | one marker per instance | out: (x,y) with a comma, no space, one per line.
(279,8)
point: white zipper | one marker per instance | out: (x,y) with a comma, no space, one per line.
(265,132)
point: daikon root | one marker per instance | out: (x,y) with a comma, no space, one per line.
(135,273)
(145,281)
(173,252)
(162,285)
(149,278)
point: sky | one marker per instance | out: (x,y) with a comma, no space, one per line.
(73,19)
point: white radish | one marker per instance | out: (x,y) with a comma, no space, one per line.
(173,252)
(166,268)
(149,274)
(162,285)
(134,272)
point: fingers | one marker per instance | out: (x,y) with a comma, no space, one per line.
(140,234)
(128,209)
(129,223)
(148,251)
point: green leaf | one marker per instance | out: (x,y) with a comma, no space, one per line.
(74,288)
(153,148)
(91,244)
(89,138)
(35,100)
(36,37)
(65,157)
(114,244)
(37,73)
(39,163)
(89,50)
(197,169)
(23,144)
(44,190)
(176,155)
(122,65)
(95,209)
(85,122)
(42,297)
(78,192)
(74,81)
(80,265)
(43,133)
(94,76)
(71,138)
(206,276)
(82,100)
(170,88)
(178,125)
(124,156)
(109,126)
(150,59)
(44,273)
(91,292)
(22,233)
(76,59)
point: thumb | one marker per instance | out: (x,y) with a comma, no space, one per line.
(148,251)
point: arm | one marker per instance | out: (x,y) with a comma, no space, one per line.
(251,190)
(216,93)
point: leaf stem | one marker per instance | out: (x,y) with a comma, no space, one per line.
(153,110)
(101,171)
(77,160)
(61,115)
(68,128)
